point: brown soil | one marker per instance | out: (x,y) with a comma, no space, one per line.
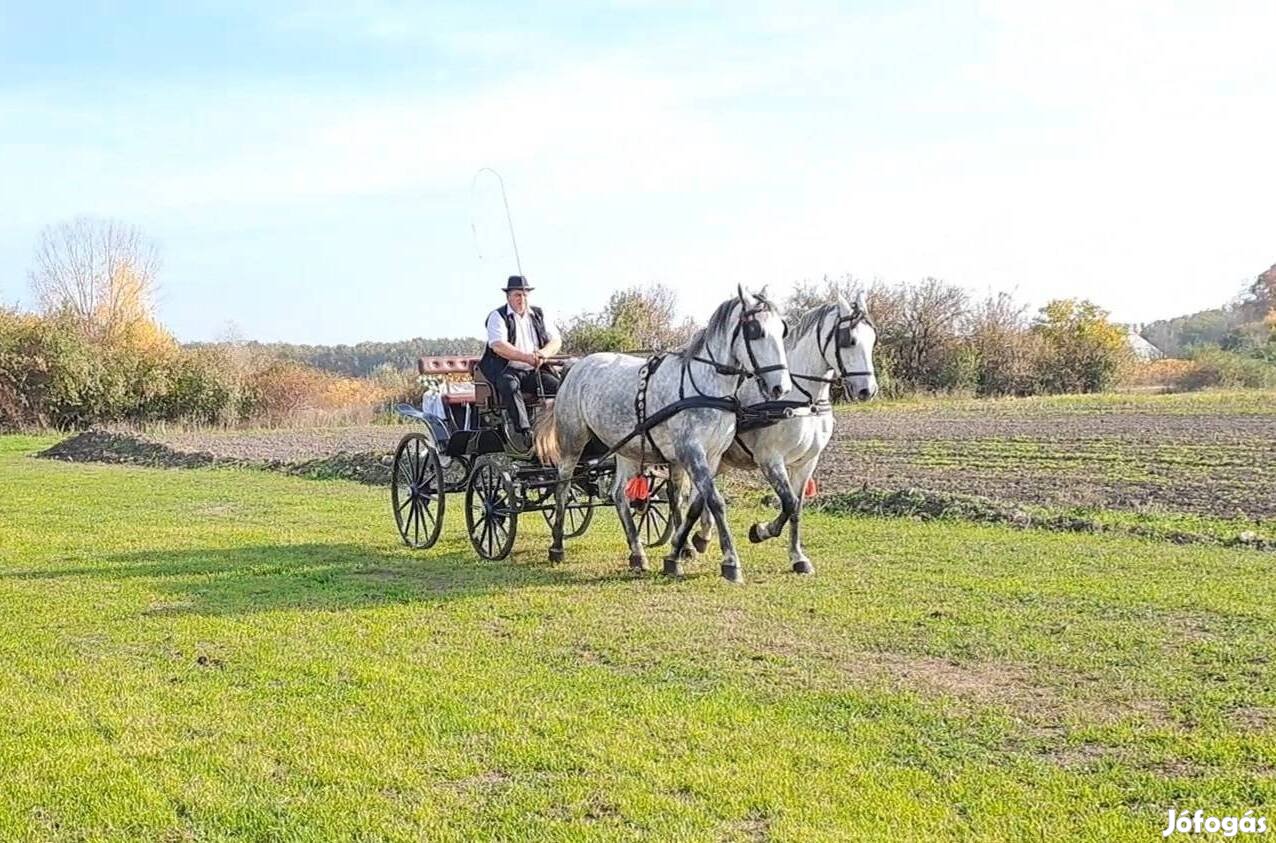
(1218,463)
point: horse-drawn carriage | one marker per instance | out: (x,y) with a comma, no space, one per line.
(688,411)
(463,447)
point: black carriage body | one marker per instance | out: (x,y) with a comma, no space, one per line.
(499,485)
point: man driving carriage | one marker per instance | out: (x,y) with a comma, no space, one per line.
(519,339)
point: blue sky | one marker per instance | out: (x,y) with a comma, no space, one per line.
(307,169)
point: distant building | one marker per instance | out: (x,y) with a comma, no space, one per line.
(1142,349)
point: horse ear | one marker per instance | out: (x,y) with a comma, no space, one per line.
(861,301)
(744,297)
(842,304)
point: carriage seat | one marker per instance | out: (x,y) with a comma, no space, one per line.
(455,393)
(480,392)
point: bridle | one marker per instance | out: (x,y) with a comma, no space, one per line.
(751,330)
(840,338)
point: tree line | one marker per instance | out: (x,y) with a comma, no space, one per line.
(93,351)
(931,336)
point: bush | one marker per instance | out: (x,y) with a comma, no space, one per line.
(285,392)
(1215,367)
(202,387)
(1168,372)
(642,317)
(1083,351)
(49,375)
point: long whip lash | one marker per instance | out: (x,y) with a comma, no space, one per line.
(509,220)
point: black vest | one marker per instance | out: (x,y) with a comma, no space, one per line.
(492,364)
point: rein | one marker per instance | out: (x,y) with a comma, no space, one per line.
(766,413)
(701,400)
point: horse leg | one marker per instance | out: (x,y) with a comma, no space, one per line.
(693,457)
(701,538)
(566,468)
(678,545)
(677,479)
(625,470)
(801,474)
(778,477)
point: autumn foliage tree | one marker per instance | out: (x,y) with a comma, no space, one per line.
(100,276)
(643,317)
(1083,350)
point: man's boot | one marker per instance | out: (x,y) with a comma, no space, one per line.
(519,441)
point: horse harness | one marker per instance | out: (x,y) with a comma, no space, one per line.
(751,330)
(748,417)
(767,413)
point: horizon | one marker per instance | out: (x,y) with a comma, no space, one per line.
(307,170)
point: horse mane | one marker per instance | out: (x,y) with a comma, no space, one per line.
(810,319)
(717,324)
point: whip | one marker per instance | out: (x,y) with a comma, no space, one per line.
(509,220)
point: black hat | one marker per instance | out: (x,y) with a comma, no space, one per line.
(516,282)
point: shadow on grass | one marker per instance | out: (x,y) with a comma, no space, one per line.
(335,577)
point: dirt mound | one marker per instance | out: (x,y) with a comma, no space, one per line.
(371,467)
(104,446)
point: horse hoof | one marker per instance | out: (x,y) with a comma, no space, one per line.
(673,568)
(556,554)
(637,562)
(687,553)
(803,566)
(755,535)
(731,573)
(701,543)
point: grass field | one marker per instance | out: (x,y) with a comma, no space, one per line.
(234,654)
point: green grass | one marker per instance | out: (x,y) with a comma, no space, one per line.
(219,654)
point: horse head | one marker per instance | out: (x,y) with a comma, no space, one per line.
(757,344)
(852,353)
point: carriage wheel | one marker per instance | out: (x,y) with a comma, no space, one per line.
(653,522)
(576,516)
(491,510)
(416,491)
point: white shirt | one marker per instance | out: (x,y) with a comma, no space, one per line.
(524,333)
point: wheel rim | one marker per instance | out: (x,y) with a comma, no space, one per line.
(654,525)
(576,516)
(491,516)
(416,492)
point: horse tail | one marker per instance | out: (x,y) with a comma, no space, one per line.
(545,434)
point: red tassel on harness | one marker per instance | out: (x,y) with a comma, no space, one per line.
(811,489)
(638,489)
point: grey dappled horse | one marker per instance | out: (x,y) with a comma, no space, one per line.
(830,343)
(743,339)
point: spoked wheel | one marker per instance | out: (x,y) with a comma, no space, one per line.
(576,516)
(653,522)
(491,510)
(416,491)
